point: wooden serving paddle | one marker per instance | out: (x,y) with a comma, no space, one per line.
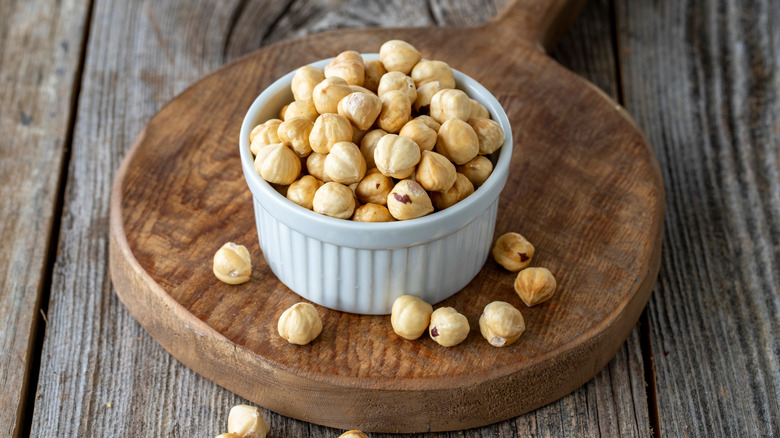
(584,187)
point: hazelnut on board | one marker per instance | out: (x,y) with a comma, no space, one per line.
(304,80)
(344,163)
(360,108)
(420,133)
(535,285)
(459,191)
(410,316)
(353,434)
(397,55)
(448,327)
(395,80)
(327,94)
(374,188)
(408,200)
(477,170)
(457,141)
(228,435)
(372,213)
(300,324)
(435,172)
(450,104)
(334,200)
(347,65)
(489,135)
(301,108)
(315,164)
(396,111)
(501,324)
(328,130)
(278,164)
(374,70)
(396,156)
(247,422)
(426,71)
(232,264)
(295,132)
(302,191)
(513,251)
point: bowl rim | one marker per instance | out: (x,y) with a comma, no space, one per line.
(376,235)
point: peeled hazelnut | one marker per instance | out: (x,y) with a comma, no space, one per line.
(295,132)
(457,141)
(334,200)
(535,285)
(450,104)
(513,251)
(408,200)
(374,69)
(477,170)
(395,80)
(374,188)
(278,164)
(420,133)
(360,108)
(264,134)
(435,172)
(247,422)
(281,117)
(315,164)
(489,134)
(328,130)
(302,191)
(410,316)
(344,164)
(372,213)
(300,324)
(422,102)
(478,111)
(429,71)
(396,111)
(228,435)
(368,144)
(501,324)
(353,434)
(232,264)
(459,191)
(347,65)
(301,108)
(396,156)
(448,327)
(397,55)
(327,94)
(304,80)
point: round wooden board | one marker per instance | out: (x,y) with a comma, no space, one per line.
(584,188)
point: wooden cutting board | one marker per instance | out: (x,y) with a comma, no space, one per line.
(584,187)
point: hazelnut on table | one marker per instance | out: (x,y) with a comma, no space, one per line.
(448,327)
(232,264)
(334,200)
(501,324)
(410,316)
(372,213)
(513,251)
(408,200)
(228,435)
(247,422)
(397,55)
(477,170)
(304,80)
(353,434)
(347,65)
(458,192)
(300,324)
(457,141)
(535,285)
(302,191)
(426,71)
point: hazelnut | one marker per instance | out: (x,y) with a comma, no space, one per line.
(448,327)
(232,264)
(372,213)
(360,108)
(335,200)
(281,117)
(478,111)
(278,164)
(347,65)
(489,134)
(429,122)
(304,80)
(302,191)
(368,144)
(420,133)
(459,191)
(327,94)
(408,200)
(396,156)
(358,134)
(513,251)
(396,111)
(228,435)
(328,130)
(264,134)
(374,188)
(397,55)
(295,132)
(457,141)
(535,285)
(344,164)
(353,434)
(410,316)
(435,172)
(301,108)
(300,324)
(247,422)
(395,80)
(477,170)
(315,164)
(374,70)
(422,102)
(425,72)
(450,104)
(501,324)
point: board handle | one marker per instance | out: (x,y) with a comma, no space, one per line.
(542,22)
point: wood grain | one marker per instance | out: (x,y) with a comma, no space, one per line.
(40,55)
(702,79)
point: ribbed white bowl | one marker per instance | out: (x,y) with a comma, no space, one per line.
(363,267)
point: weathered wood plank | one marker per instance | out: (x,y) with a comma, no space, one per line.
(702,79)
(40,56)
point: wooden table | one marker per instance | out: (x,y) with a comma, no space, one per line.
(79,79)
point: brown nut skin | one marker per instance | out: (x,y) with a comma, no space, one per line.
(426,71)
(374,70)
(410,316)
(247,422)
(300,324)
(264,134)
(335,200)
(368,144)
(353,434)
(489,135)
(304,80)
(501,324)
(327,94)
(396,111)
(477,170)
(232,264)
(395,80)
(315,165)
(425,93)
(328,130)
(396,156)
(278,164)
(302,191)
(420,133)
(450,104)
(295,132)
(448,327)
(360,108)
(372,213)
(513,251)
(478,111)
(459,191)
(435,172)
(345,164)
(457,141)
(301,108)
(347,65)
(374,188)
(397,55)
(535,285)
(408,200)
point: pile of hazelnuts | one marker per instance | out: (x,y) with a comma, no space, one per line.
(377,140)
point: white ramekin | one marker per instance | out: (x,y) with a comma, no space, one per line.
(363,267)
